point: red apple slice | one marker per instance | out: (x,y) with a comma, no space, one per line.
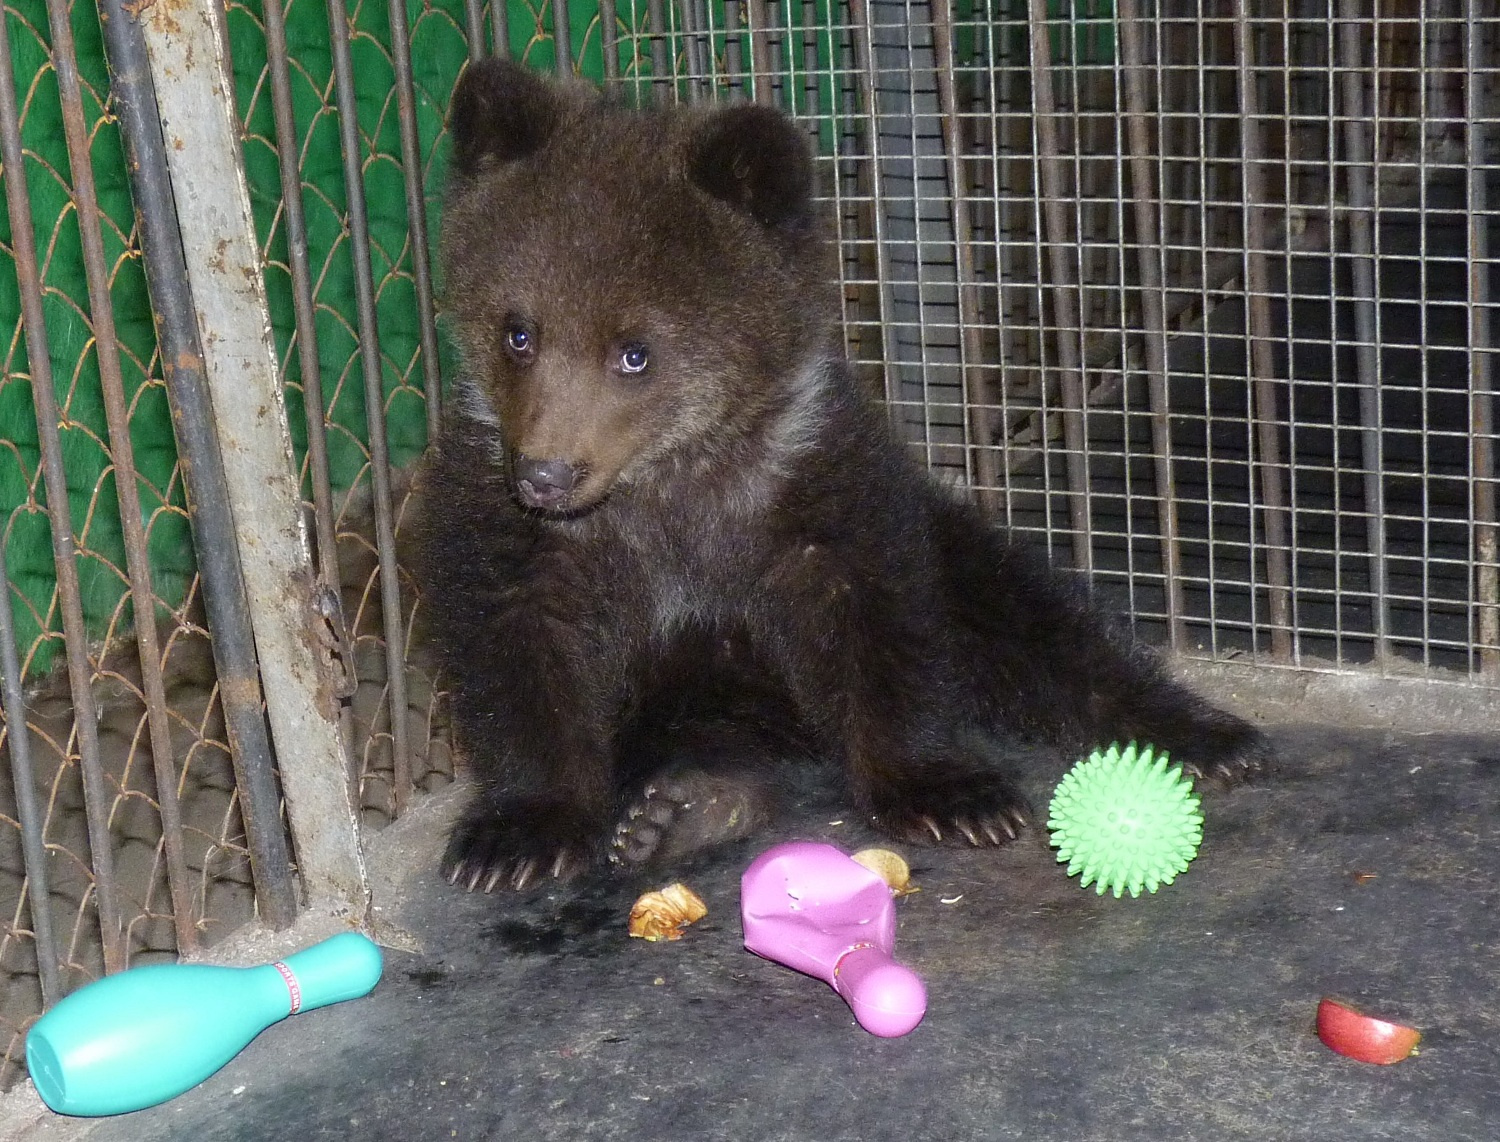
(1363,1037)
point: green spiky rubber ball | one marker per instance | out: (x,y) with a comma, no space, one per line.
(1125,821)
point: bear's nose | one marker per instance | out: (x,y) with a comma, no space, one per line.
(544,483)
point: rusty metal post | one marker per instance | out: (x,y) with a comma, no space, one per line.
(1478,121)
(187,138)
(122,455)
(1068,314)
(1360,171)
(370,374)
(1274,509)
(23,778)
(981,423)
(1149,258)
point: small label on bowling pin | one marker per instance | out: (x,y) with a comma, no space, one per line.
(292,986)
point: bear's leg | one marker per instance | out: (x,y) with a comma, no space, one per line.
(1043,659)
(869,660)
(535,697)
(505,840)
(1134,700)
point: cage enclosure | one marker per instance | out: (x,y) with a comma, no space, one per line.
(1199,297)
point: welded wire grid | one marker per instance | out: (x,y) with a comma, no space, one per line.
(1197,296)
(1222,296)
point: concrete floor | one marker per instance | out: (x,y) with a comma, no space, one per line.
(1367,869)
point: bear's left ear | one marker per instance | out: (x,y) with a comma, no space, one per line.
(501,112)
(756,160)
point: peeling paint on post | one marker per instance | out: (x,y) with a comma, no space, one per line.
(184,40)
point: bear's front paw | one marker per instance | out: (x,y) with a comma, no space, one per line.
(977,809)
(515,843)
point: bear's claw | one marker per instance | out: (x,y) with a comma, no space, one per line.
(517,845)
(976,809)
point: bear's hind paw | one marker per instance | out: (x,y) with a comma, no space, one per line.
(980,810)
(1228,757)
(680,813)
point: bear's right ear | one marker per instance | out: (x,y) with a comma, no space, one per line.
(500,112)
(756,160)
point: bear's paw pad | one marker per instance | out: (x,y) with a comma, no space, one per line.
(679,813)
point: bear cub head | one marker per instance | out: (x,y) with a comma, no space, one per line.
(637,295)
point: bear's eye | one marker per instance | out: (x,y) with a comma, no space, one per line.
(519,341)
(634,359)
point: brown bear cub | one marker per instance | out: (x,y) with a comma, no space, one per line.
(670,543)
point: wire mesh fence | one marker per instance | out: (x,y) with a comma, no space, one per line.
(1199,296)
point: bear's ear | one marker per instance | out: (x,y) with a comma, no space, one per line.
(500,112)
(756,160)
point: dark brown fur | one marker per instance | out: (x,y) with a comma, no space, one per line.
(647,585)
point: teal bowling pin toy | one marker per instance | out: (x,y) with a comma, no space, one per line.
(133,1040)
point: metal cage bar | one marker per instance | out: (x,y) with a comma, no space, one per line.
(369,351)
(23,772)
(1359,170)
(122,454)
(1479,134)
(64,546)
(1149,256)
(1063,287)
(416,208)
(1204,295)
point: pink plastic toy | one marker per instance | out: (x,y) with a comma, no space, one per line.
(810,907)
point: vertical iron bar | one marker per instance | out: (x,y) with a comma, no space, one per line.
(562,38)
(811,91)
(692,43)
(1153,306)
(1482,471)
(499,26)
(609,44)
(22,773)
(474,28)
(209,512)
(416,213)
(759,21)
(864,55)
(979,415)
(1065,300)
(122,456)
(1011,219)
(1360,215)
(287,148)
(1262,355)
(23,777)
(663,64)
(371,366)
(734,54)
(64,549)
